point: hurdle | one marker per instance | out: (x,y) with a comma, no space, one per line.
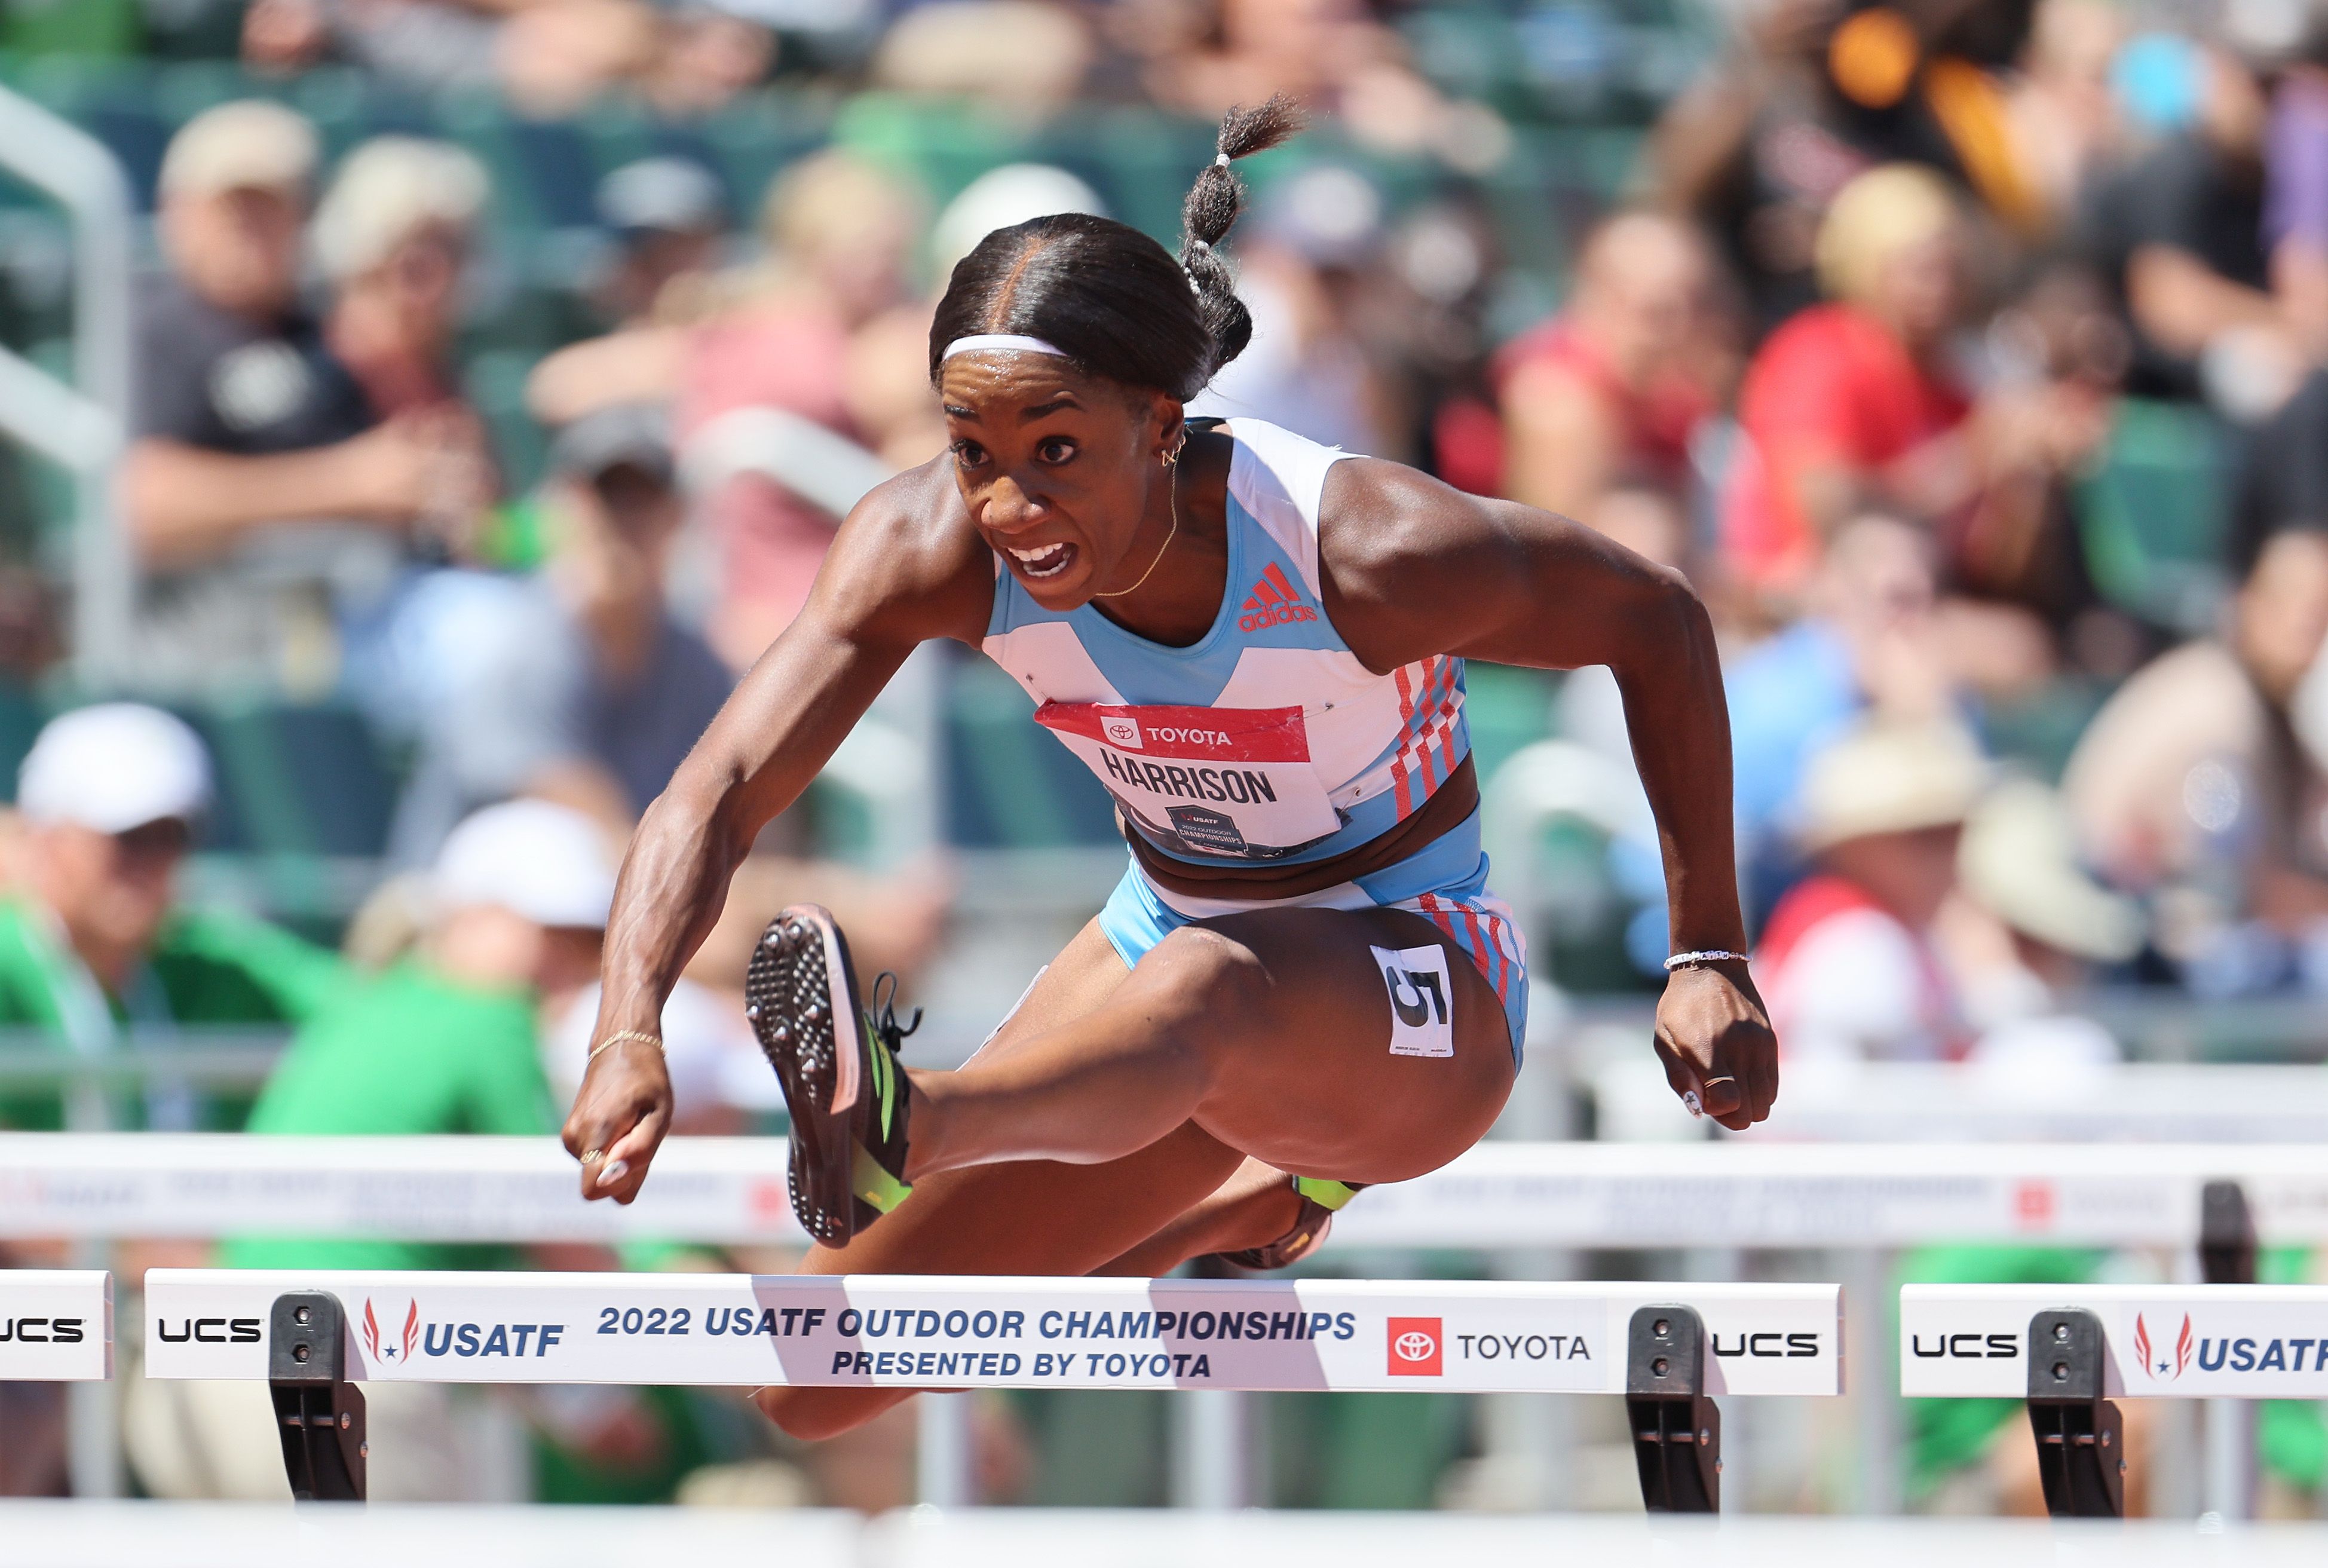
(2070,1350)
(1666,1350)
(1497,1196)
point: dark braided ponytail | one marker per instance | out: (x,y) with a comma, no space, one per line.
(1110,298)
(1211,210)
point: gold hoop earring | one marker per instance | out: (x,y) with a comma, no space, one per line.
(1168,458)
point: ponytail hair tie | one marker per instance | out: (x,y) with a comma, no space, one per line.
(1221,159)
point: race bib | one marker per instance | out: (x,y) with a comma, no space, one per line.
(1422,1000)
(1208,781)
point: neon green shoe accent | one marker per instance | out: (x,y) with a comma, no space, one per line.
(884,1078)
(1329,1195)
(874,1185)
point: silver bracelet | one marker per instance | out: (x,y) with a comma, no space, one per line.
(1711,955)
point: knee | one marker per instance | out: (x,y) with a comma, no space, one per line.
(814,1414)
(1204,978)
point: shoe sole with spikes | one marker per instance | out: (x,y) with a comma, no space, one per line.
(800,997)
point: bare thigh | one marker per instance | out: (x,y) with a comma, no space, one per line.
(1299,1029)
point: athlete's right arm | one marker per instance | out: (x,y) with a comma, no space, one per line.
(905,567)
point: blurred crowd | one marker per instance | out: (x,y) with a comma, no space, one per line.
(1971,359)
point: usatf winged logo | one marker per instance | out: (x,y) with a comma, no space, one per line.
(392,1350)
(2155,1360)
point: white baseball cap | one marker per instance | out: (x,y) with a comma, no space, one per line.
(113,767)
(251,143)
(547,862)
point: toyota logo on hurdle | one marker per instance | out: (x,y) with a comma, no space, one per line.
(1415,1345)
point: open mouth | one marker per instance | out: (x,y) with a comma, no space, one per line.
(1047,562)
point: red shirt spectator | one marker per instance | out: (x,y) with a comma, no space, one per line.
(1833,387)
(1608,394)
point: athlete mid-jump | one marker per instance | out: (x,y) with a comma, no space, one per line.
(1302,985)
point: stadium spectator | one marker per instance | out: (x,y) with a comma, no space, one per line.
(1813,95)
(393,235)
(1854,404)
(93,944)
(447,1041)
(840,231)
(2062,119)
(259,490)
(669,216)
(2031,932)
(551,57)
(1024,57)
(93,941)
(2179,232)
(1872,639)
(577,683)
(1610,393)
(2192,783)
(2296,190)
(1847,962)
(2283,473)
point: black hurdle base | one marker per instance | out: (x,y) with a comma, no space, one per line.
(2080,1437)
(1677,1426)
(319,1414)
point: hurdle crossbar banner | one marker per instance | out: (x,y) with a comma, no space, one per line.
(1500,1195)
(944,1332)
(56,1325)
(1744,1193)
(2163,1342)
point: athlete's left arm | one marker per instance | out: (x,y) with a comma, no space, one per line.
(1414,567)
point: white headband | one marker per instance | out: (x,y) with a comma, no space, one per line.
(1000,339)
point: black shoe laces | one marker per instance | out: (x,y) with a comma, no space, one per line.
(883,1014)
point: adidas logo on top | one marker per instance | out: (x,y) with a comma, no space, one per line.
(1274,602)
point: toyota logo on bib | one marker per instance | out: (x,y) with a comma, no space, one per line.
(1414,1348)
(1123,730)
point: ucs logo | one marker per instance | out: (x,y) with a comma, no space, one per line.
(41,1330)
(2155,1360)
(1416,1346)
(393,1349)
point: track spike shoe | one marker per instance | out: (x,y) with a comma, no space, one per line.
(837,1065)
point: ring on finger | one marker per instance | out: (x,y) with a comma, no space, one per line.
(592,1156)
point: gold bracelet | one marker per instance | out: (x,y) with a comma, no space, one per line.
(619,1036)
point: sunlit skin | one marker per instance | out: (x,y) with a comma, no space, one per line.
(1116,1120)
(1046,458)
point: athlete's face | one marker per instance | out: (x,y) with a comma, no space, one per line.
(1058,468)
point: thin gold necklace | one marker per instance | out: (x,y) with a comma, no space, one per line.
(1172,498)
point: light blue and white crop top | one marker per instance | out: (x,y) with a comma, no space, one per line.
(1267,740)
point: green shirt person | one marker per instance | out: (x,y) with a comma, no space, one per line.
(92,945)
(447,1040)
